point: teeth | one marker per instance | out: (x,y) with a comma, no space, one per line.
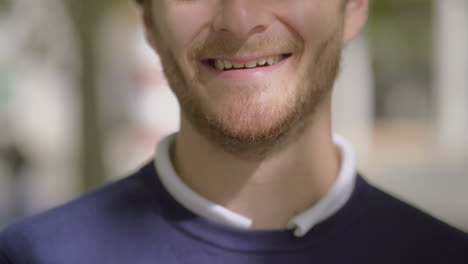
(271,60)
(262,61)
(251,64)
(219,65)
(238,65)
(227,65)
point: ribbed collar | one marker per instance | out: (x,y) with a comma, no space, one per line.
(334,199)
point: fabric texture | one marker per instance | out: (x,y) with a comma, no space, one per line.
(135,220)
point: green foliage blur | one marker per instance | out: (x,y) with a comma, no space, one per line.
(401,44)
(4,5)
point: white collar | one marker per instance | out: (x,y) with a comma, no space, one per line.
(334,199)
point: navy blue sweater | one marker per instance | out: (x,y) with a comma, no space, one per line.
(136,221)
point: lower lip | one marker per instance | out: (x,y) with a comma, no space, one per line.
(246,74)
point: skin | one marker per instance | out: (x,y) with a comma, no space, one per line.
(260,145)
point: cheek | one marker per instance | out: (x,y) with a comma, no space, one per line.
(301,17)
(310,19)
(183,24)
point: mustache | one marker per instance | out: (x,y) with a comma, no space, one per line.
(216,46)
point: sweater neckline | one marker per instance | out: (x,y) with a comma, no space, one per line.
(335,197)
(231,238)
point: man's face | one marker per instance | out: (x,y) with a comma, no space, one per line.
(248,72)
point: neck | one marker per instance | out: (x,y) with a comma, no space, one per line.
(270,191)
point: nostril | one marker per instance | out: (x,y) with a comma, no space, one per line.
(257,29)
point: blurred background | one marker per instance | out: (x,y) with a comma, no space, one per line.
(83,101)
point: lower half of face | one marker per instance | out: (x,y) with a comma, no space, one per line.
(252,111)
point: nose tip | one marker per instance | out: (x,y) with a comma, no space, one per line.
(241,18)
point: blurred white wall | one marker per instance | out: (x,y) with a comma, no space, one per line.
(38,56)
(353,101)
(451,77)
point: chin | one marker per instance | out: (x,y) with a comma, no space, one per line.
(249,128)
(248,132)
(252,116)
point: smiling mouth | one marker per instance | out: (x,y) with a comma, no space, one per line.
(230,65)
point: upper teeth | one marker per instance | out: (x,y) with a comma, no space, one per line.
(227,65)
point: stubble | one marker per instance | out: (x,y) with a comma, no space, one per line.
(254,132)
